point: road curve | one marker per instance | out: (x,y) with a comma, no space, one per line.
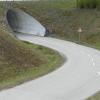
(77,79)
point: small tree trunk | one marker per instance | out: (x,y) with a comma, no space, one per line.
(77,3)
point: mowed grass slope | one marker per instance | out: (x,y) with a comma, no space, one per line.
(95,96)
(63,19)
(23,61)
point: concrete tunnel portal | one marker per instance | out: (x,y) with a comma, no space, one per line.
(21,22)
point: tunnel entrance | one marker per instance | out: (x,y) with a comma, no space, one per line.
(21,22)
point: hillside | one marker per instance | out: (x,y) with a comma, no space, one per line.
(63,20)
(22,61)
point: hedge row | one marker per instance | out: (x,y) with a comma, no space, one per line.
(88,3)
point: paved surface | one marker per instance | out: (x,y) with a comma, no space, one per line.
(78,78)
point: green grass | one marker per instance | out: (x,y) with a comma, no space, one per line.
(95,96)
(63,4)
(16,75)
(22,61)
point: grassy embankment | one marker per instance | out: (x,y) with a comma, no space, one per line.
(22,61)
(63,19)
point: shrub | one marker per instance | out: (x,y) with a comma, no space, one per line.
(88,3)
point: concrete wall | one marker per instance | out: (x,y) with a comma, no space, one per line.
(21,22)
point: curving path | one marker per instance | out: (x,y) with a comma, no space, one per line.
(77,79)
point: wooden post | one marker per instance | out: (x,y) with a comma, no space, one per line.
(77,3)
(79,35)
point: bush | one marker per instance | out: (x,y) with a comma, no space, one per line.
(88,3)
